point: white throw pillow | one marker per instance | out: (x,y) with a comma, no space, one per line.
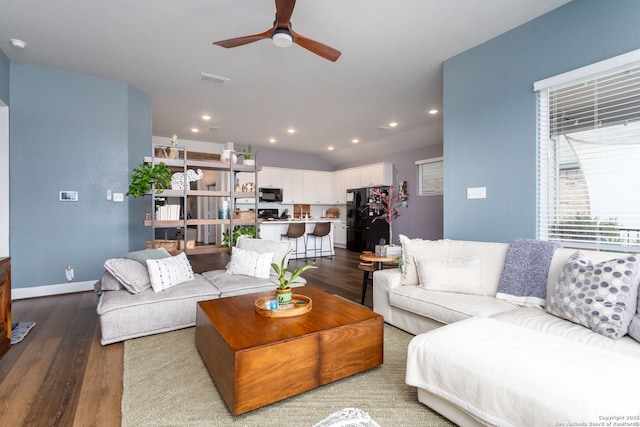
(279,249)
(250,263)
(451,275)
(415,248)
(168,272)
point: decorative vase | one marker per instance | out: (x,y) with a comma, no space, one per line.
(249,162)
(283,295)
(228,156)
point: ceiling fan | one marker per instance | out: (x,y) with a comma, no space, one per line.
(282,34)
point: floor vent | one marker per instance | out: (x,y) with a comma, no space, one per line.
(212,78)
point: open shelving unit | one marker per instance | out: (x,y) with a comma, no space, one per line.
(183,163)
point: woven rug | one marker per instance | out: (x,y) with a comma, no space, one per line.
(166,383)
(20,330)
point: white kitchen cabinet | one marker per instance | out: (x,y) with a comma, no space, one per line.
(339,188)
(379,174)
(270,177)
(292,186)
(318,187)
(352,178)
(340,234)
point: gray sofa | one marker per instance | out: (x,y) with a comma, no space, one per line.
(129,307)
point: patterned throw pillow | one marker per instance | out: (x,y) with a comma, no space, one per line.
(250,263)
(168,272)
(600,296)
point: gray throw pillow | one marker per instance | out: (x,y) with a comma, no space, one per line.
(131,274)
(110,283)
(602,296)
(634,328)
(143,255)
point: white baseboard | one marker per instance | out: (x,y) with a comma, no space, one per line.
(43,291)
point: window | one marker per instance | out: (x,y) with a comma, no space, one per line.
(589,156)
(430,176)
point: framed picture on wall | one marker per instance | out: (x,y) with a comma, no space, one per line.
(68,196)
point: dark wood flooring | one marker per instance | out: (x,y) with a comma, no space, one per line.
(60,375)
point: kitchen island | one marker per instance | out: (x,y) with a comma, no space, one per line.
(272,229)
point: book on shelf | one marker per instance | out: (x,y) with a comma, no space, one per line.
(168,213)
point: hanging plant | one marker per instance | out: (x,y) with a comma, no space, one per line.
(145,175)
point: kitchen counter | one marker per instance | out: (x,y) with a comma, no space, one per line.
(272,229)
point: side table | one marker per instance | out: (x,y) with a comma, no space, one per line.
(378,264)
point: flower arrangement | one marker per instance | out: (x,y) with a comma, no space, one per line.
(385,205)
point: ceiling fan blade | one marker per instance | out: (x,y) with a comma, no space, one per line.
(239,41)
(284,10)
(327,52)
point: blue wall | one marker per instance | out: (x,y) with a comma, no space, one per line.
(490,111)
(70,132)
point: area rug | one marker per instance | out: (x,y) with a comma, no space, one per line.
(167,384)
(20,330)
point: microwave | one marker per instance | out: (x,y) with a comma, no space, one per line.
(270,194)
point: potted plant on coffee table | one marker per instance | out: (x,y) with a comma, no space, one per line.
(286,278)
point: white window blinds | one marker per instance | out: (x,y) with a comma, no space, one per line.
(589,159)
(430,176)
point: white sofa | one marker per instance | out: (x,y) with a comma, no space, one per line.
(500,363)
(129,307)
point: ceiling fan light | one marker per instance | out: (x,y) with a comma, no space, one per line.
(282,39)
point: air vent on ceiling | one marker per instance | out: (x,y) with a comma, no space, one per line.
(383,128)
(212,78)
(213,128)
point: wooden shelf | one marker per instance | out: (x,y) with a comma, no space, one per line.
(207,249)
(180,193)
(203,164)
(180,223)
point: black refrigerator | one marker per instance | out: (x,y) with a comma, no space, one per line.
(363,234)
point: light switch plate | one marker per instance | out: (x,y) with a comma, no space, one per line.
(477,193)
(118,197)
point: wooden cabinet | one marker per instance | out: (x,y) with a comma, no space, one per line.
(318,187)
(5,305)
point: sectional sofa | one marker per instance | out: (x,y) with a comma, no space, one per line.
(517,334)
(149,291)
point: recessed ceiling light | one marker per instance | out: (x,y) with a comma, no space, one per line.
(272,140)
(393,124)
(355,140)
(18,43)
(330,148)
(206,117)
(195,130)
(291,130)
(434,111)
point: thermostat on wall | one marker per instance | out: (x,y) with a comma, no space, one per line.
(68,196)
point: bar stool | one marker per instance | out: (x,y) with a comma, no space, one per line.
(321,230)
(295,231)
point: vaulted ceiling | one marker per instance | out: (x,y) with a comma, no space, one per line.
(390,69)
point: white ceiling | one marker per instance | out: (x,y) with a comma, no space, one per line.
(390,68)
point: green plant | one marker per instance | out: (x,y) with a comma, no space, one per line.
(247,153)
(145,175)
(243,230)
(285,281)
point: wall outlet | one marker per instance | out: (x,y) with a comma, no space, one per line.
(477,193)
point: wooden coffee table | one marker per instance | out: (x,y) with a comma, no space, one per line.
(257,360)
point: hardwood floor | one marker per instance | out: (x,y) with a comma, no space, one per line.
(60,375)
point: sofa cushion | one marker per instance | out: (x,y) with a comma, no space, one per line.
(280,249)
(131,274)
(445,307)
(412,248)
(450,275)
(602,296)
(634,328)
(240,284)
(250,263)
(110,283)
(168,272)
(492,256)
